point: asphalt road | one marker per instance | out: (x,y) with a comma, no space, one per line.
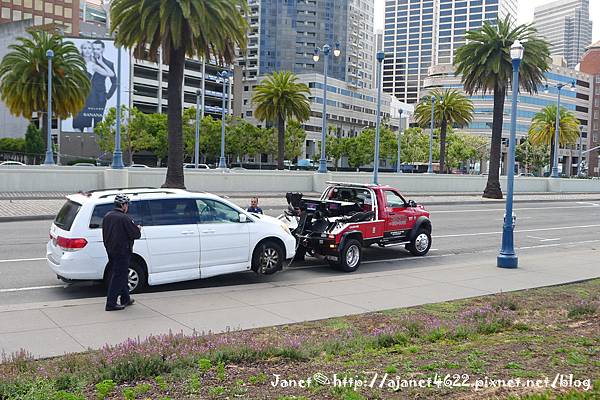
(471,232)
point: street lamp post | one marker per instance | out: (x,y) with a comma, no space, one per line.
(336,53)
(579,166)
(117,161)
(380,57)
(559,87)
(197,139)
(507,257)
(49,158)
(223,75)
(430,166)
(398,167)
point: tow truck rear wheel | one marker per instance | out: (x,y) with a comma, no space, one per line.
(350,256)
(421,244)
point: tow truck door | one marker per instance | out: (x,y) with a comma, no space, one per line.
(398,216)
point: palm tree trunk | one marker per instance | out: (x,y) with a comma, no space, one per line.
(175,177)
(443,129)
(492,189)
(280,141)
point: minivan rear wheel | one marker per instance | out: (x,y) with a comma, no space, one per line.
(137,279)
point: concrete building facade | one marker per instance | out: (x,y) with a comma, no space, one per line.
(349,110)
(590,64)
(566,25)
(61,12)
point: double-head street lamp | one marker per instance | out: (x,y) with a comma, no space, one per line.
(580,165)
(380,57)
(224,75)
(507,257)
(117,161)
(558,86)
(430,166)
(316,57)
(398,167)
(49,157)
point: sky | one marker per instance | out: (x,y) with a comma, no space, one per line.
(525,13)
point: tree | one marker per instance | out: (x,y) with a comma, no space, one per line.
(454,108)
(534,157)
(278,98)
(485,65)
(543,128)
(24,78)
(414,146)
(181,28)
(295,136)
(34,140)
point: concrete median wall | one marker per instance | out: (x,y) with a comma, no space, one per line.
(40,179)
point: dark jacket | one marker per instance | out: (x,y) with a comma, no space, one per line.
(118,232)
(256,210)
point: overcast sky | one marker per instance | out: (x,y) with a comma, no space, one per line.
(525,13)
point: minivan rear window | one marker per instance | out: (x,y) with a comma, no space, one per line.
(135,212)
(65,217)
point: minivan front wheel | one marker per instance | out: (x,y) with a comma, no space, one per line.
(268,258)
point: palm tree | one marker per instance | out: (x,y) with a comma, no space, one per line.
(486,66)
(24,78)
(180,28)
(278,98)
(454,108)
(543,128)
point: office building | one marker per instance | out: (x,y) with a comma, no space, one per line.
(284,34)
(590,64)
(422,33)
(64,13)
(349,110)
(577,101)
(566,25)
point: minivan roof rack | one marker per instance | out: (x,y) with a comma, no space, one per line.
(137,193)
(107,189)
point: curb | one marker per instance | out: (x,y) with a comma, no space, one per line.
(27,218)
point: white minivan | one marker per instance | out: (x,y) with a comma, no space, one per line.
(185,236)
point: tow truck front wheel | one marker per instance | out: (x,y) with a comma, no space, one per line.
(350,256)
(421,243)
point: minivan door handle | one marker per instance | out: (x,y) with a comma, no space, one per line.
(209,231)
(187,232)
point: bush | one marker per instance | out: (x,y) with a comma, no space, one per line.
(13,145)
(582,309)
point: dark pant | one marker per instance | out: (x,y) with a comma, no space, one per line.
(118,265)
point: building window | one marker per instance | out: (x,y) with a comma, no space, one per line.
(48,8)
(37,20)
(68,13)
(58,10)
(39,5)
(5,13)
(16,15)
(27,3)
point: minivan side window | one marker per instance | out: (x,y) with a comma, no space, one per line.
(135,212)
(215,212)
(172,212)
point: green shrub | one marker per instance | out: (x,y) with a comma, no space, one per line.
(104,388)
(582,309)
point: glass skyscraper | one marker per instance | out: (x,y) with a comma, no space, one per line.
(423,33)
(566,25)
(284,35)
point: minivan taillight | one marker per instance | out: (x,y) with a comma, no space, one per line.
(71,244)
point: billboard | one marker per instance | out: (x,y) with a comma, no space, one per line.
(100,56)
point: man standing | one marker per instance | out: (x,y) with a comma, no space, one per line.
(254,208)
(99,80)
(118,233)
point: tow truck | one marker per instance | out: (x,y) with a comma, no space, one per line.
(350,216)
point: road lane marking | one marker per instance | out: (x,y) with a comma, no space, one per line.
(589,203)
(516,209)
(31,288)
(519,231)
(22,259)
(541,239)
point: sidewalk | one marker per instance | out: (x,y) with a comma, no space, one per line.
(77,325)
(23,206)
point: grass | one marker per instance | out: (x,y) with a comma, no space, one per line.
(528,335)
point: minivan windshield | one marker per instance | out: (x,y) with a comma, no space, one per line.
(65,217)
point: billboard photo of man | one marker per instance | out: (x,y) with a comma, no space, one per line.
(100,59)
